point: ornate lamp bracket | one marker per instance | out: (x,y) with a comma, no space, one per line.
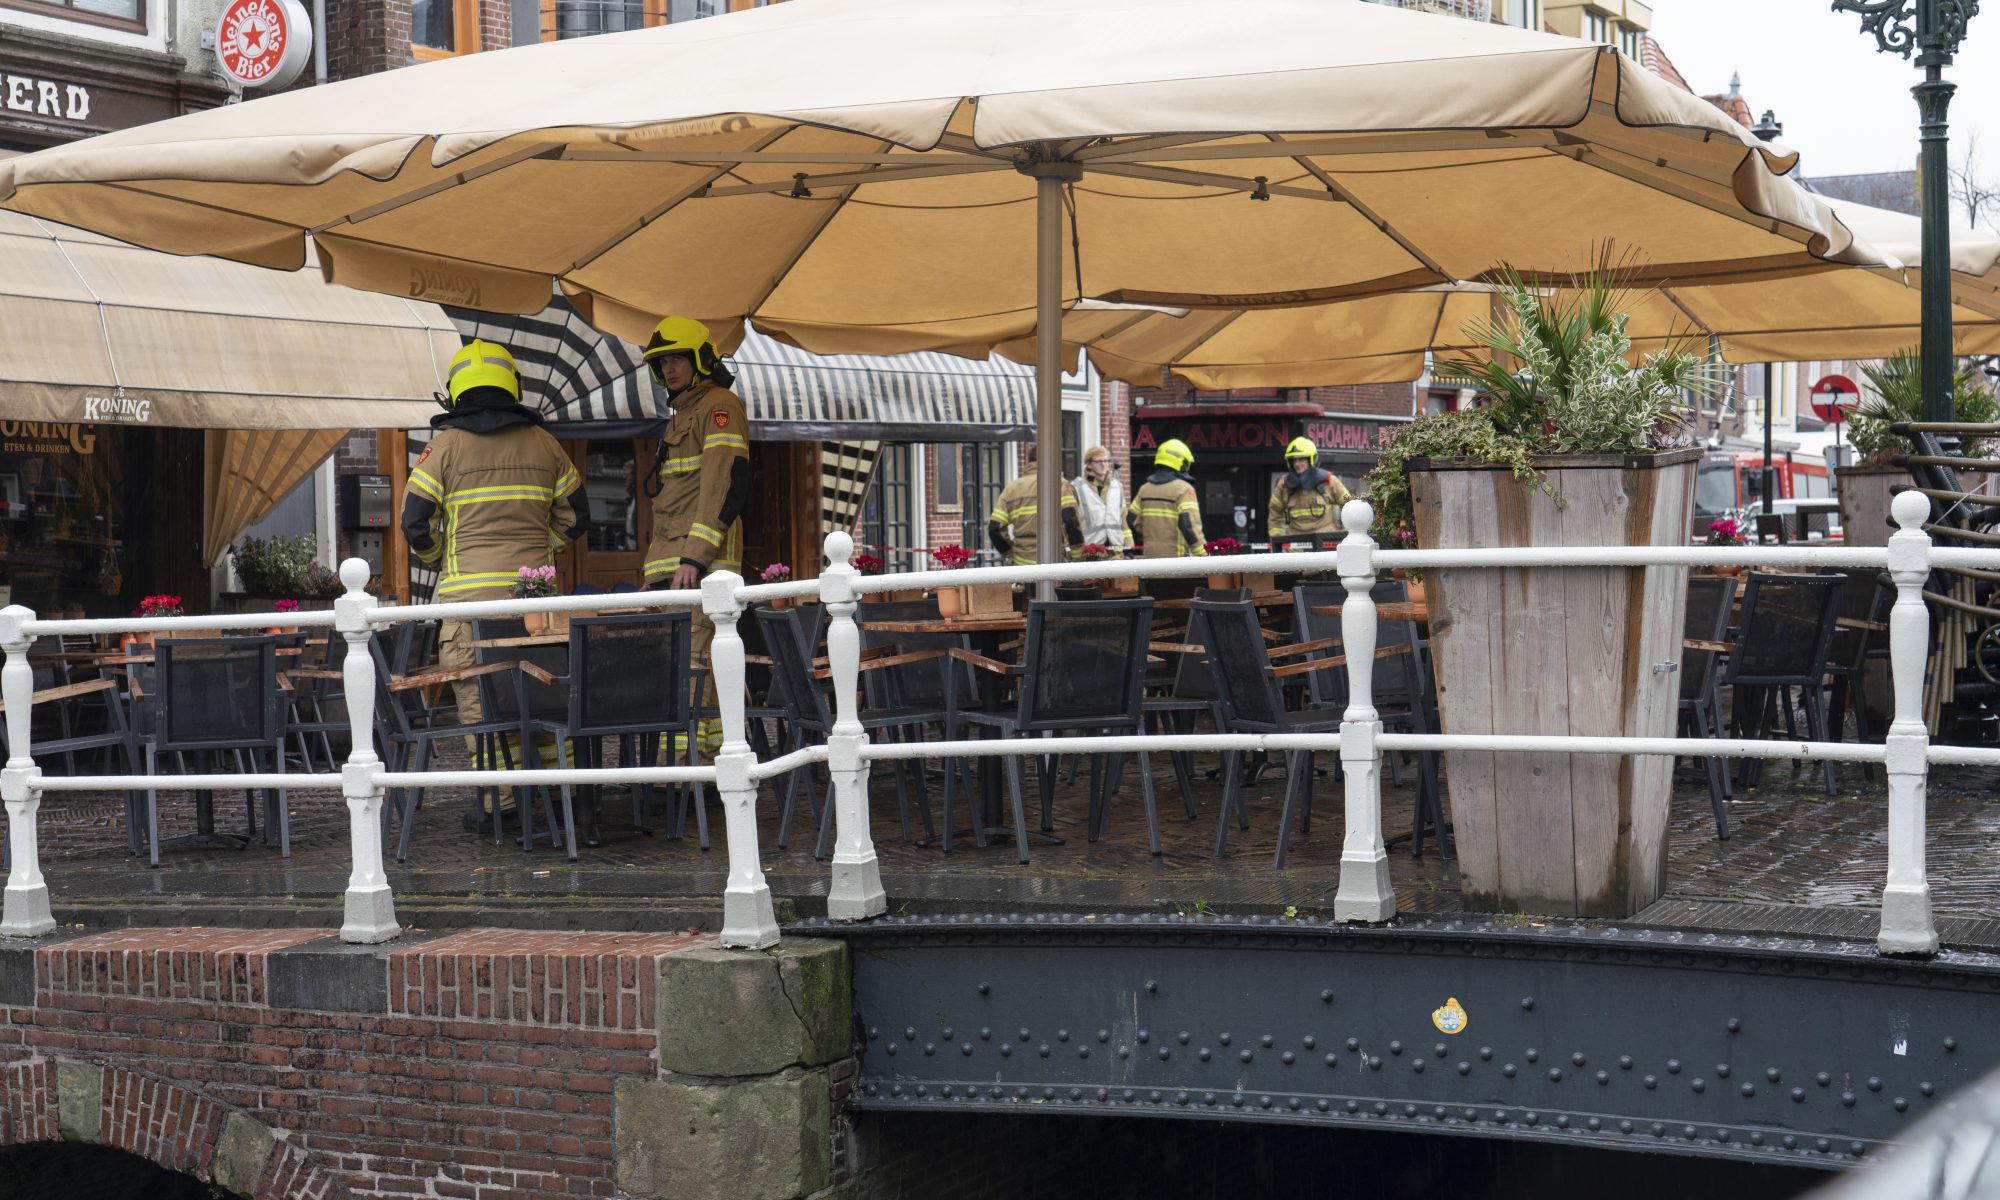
(1930,28)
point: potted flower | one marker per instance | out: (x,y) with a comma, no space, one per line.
(1225,547)
(285,607)
(152,606)
(1894,393)
(1577,447)
(1098,552)
(968,599)
(1726,532)
(535,583)
(777,572)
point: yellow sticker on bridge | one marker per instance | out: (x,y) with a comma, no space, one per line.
(1451,1018)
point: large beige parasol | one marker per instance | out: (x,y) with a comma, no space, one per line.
(888,175)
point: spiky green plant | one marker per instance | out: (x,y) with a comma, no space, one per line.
(1898,386)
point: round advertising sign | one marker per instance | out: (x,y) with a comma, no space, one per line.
(263,43)
(1833,397)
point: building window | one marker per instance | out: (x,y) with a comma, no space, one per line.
(115,14)
(583,18)
(691,10)
(443,28)
(985,471)
(1628,41)
(1526,14)
(888,518)
(1072,445)
(1596,26)
(948,497)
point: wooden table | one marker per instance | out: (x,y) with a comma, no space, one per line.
(539,639)
(1010,622)
(1257,599)
(1420,613)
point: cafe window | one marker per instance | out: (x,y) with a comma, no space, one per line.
(610,497)
(443,28)
(948,497)
(62,518)
(888,517)
(985,470)
(115,14)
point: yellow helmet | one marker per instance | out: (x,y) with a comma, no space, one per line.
(1174,455)
(681,335)
(1302,447)
(480,363)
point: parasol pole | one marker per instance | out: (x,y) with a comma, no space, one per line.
(1049,180)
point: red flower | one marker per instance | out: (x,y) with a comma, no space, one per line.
(867,564)
(1224,545)
(951,556)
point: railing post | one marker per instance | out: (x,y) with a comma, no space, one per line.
(1365,893)
(856,892)
(26,911)
(371,908)
(1907,927)
(748,919)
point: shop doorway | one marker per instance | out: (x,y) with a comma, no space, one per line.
(618,522)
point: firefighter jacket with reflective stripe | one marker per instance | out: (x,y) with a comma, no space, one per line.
(1017,512)
(501,502)
(704,480)
(1304,505)
(1165,514)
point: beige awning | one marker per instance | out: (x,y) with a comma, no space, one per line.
(101,331)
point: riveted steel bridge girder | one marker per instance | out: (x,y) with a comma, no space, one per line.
(1768,1049)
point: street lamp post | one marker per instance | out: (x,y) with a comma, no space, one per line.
(1766,130)
(1933,29)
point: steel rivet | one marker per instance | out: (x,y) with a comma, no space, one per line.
(1527,1002)
(1395,1047)
(1925,1088)
(1103,1095)
(1472,1114)
(1180,1097)
(1152,985)
(892,1047)
(1555,1075)
(1381,1109)
(984,988)
(1246,1056)
(1375,1064)
(1202,1054)
(1822,1079)
(1687,1131)
(1847,1098)
(1287,1058)
(1749,1089)
(1603,1077)
(1144,1036)
(896,1090)
(1659,1129)
(1354,1043)
(1823,1143)
(1532,1054)
(1224,1039)
(1722,1070)
(1756,1138)
(1307,1041)
(1595,1123)
(1104,1035)
(1332,1060)
(874,1032)
(1183,1036)
(1771,1073)
(1062,1035)
(1950,1044)
(1264,1101)
(1531,1117)
(1165,1054)
(1006,1049)
(1857,1147)
(1024,1035)
(1652,1081)
(965,1048)
(1323,1103)
(986,1034)
(1900,1104)
(1353,1106)
(1076,1093)
(1791,1143)
(1438,1112)
(1624,1126)
(1124,1051)
(1735,1025)
(1874,1084)
(1438,1049)
(1465,1068)
(1326,997)
(1577,1058)
(1624,1062)
(1500,1115)
(1486,1054)
(922,1090)
(1083,1052)
(1673,1066)
(1417,1065)
(910,1033)
(1698,1085)
(1798,1094)
(1045,1049)
(945,1033)
(946,1090)
(930,1048)
(1508,1070)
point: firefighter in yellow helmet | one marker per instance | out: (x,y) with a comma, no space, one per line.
(1165,513)
(700,479)
(1306,499)
(1013,524)
(490,495)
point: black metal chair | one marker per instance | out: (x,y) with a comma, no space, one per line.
(213,696)
(1782,637)
(630,678)
(1082,670)
(533,705)
(1251,698)
(1709,601)
(913,684)
(409,728)
(89,714)
(1401,686)
(1861,631)
(809,716)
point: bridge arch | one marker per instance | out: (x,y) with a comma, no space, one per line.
(169,1124)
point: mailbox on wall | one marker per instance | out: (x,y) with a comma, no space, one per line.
(364,502)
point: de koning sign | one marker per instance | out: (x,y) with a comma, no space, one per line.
(263,43)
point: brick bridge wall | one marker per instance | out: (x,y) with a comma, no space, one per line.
(476,1064)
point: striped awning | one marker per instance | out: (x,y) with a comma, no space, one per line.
(794,395)
(570,372)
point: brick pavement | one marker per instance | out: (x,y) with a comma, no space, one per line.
(1792,846)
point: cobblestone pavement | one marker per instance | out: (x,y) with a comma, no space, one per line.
(1798,861)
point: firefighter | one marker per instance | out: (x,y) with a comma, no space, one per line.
(1306,499)
(700,479)
(490,495)
(1165,513)
(1011,526)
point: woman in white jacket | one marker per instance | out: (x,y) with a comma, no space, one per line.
(1100,500)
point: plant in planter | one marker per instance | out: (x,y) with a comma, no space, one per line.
(1726,532)
(535,583)
(969,598)
(273,566)
(284,608)
(1576,447)
(1229,547)
(1897,385)
(776,573)
(152,606)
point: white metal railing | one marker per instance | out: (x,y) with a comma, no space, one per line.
(856,891)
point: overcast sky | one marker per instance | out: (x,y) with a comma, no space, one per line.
(1845,107)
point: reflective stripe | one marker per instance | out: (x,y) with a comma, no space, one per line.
(567,482)
(504,491)
(707,533)
(1188,506)
(424,482)
(680,466)
(477,579)
(482,360)
(724,439)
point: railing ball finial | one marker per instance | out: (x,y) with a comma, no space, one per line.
(839,548)
(354,574)
(1910,509)
(1357,516)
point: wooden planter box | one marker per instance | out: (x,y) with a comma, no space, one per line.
(1548,650)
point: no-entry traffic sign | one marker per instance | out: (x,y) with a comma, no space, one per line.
(1833,397)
